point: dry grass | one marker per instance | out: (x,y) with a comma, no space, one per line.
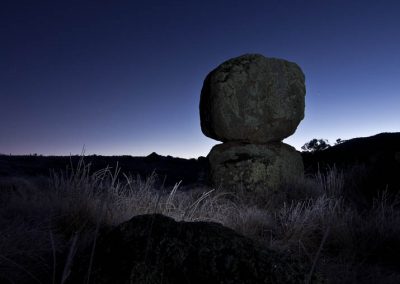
(44,227)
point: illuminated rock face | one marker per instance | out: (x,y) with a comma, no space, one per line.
(251,103)
(253,99)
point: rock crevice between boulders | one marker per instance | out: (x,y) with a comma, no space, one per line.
(251,103)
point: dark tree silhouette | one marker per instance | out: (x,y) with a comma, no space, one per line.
(339,141)
(316,145)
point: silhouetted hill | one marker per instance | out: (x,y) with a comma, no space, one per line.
(370,164)
(373,163)
(169,168)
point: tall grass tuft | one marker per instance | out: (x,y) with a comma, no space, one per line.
(44,227)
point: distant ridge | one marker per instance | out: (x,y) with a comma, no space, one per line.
(170,170)
(387,140)
(375,160)
(379,155)
(358,148)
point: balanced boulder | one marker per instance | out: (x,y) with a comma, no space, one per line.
(252,99)
(254,167)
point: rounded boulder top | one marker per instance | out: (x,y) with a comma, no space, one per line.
(252,98)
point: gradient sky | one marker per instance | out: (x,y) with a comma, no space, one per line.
(124,77)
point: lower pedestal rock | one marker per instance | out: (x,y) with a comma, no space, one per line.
(254,167)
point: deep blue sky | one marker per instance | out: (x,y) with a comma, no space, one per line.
(124,77)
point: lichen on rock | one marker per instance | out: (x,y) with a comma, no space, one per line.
(254,167)
(251,103)
(252,98)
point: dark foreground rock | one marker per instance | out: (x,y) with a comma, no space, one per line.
(157,249)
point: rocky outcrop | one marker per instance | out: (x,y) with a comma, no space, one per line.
(251,103)
(156,249)
(252,99)
(254,167)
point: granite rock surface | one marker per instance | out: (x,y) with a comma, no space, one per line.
(252,98)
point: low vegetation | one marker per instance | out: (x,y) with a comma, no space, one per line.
(46,223)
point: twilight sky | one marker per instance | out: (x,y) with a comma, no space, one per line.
(124,77)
